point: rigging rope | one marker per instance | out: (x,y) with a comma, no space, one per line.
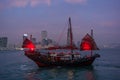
(61,35)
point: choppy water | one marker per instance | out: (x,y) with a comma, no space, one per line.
(15,66)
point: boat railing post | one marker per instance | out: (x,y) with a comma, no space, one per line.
(91,52)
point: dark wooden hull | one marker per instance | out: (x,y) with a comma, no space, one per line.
(42,61)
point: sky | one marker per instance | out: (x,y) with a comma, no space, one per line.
(33,16)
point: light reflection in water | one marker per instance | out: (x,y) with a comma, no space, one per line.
(31,76)
(70,75)
(62,74)
(90,75)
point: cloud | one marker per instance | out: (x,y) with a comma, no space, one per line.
(22,3)
(33,3)
(109,23)
(18,3)
(1,6)
(76,1)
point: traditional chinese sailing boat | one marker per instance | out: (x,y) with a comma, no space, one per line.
(61,58)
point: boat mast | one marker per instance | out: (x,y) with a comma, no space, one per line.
(70,35)
(92,43)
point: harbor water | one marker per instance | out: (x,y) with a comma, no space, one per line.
(14,65)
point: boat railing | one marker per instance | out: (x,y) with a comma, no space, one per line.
(69,57)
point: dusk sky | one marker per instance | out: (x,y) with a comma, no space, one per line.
(33,16)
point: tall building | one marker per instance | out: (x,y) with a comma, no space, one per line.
(44,34)
(45,40)
(3,42)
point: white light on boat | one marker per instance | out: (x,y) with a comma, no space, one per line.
(25,35)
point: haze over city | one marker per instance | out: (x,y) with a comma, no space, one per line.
(33,16)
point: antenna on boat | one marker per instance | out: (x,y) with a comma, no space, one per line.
(31,37)
(92,33)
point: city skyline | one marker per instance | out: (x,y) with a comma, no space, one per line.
(33,16)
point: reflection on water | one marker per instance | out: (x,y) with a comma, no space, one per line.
(62,73)
(90,75)
(31,76)
(70,75)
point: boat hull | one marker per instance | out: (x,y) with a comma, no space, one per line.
(42,61)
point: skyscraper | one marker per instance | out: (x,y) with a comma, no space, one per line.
(45,41)
(3,42)
(44,34)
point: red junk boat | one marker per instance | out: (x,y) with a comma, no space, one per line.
(62,58)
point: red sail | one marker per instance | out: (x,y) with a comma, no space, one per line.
(88,43)
(28,44)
